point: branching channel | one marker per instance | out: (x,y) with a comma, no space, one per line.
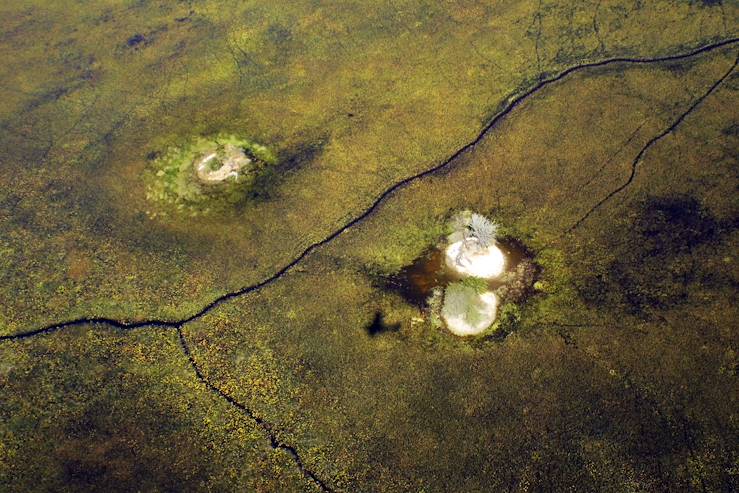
(177,325)
(266,427)
(673,126)
(509,107)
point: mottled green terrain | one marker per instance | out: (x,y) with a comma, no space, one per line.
(618,374)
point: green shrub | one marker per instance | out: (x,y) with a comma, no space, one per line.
(508,319)
(462,300)
(476,283)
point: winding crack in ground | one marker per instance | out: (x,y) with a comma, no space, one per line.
(267,427)
(177,325)
(512,104)
(652,142)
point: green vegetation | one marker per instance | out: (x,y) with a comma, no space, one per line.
(617,374)
(575,364)
(350,98)
(173,182)
(476,284)
(95,410)
(508,319)
(462,301)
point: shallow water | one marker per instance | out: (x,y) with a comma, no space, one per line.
(416,281)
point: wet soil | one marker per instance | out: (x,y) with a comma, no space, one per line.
(416,281)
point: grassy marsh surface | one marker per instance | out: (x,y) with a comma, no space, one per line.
(352,98)
(619,374)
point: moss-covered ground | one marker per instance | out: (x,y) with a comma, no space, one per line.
(352,97)
(95,410)
(619,374)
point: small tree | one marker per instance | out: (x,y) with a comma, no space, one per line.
(464,305)
(482,230)
(478,232)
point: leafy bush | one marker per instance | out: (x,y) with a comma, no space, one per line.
(476,283)
(509,317)
(462,300)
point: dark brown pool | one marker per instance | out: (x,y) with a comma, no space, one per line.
(416,281)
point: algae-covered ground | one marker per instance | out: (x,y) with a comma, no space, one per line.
(258,347)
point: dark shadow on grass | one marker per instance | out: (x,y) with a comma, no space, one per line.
(379,326)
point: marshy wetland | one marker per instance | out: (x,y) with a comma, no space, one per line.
(222,224)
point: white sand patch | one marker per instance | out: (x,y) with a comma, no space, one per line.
(473,260)
(234,160)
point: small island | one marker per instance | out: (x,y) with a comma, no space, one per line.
(473,281)
(205,175)
(469,305)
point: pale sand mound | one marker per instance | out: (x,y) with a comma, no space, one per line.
(485,263)
(233,161)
